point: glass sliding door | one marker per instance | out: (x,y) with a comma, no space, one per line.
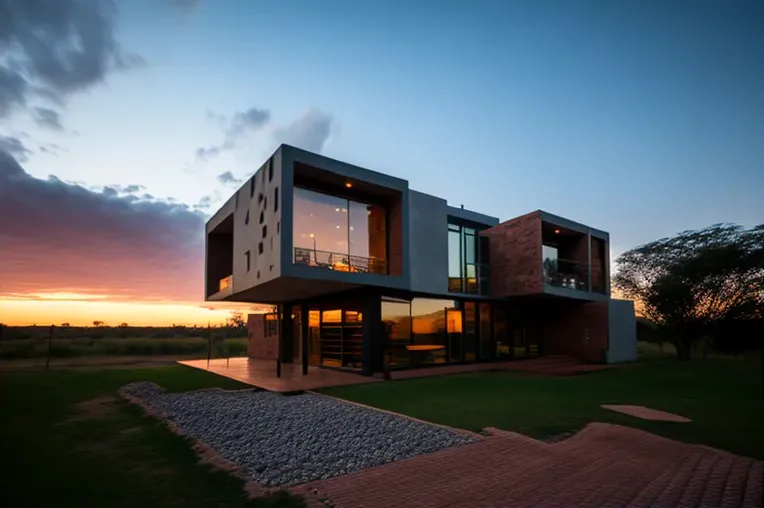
(487,349)
(501,335)
(396,319)
(470,332)
(428,325)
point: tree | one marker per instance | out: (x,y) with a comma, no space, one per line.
(236,320)
(97,323)
(123,325)
(704,283)
(65,325)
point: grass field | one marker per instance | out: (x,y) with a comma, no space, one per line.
(66,440)
(723,397)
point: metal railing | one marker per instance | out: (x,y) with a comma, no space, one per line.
(225,283)
(477,285)
(338,261)
(565,273)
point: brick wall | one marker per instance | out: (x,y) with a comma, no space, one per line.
(259,345)
(577,329)
(515,256)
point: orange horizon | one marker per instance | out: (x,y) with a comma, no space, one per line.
(83,310)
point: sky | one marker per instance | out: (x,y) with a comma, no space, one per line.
(125,124)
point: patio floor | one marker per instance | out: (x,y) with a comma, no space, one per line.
(262,374)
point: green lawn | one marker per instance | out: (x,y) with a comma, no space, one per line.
(723,397)
(66,440)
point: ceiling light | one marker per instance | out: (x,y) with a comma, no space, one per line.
(348,185)
(556,231)
(338,227)
(312,235)
(336,209)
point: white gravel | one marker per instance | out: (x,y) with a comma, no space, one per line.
(280,440)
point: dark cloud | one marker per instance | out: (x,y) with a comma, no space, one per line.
(139,248)
(48,118)
(227,178)
(310,132)
(51,149)
(14,147)
(239,125)
(55,48)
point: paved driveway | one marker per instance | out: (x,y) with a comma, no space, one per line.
(603,465)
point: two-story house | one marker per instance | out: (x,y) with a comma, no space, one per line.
(370,275)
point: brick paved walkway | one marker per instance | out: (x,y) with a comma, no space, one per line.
(603,465)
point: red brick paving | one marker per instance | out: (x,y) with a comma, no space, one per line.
(646,413)
(603,465)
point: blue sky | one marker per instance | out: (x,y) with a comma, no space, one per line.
(642,118)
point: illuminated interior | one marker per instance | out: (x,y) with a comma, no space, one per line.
(337,233)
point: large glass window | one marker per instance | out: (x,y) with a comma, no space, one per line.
(396,318)
(487,351)
(467,261)
(338,234)
(470,332)
(428,324)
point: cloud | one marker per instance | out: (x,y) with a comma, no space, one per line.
(310,132)
(15,147)
(54,49)
(227,178)
(48,118)
(66,238)
(240,124)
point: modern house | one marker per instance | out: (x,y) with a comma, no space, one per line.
(370,275)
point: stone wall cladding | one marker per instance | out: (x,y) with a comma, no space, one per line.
(515,256)
(259,345)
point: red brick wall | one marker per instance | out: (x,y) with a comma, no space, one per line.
(577,329)
(258,344)
(599,256)
(515,256)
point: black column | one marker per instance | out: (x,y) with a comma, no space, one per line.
(304,335)
(372,335)
(287,340)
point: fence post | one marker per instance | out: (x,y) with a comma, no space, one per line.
(209,344)
(50,342)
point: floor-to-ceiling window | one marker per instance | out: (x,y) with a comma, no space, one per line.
(467,260)
(396,319)
(428,326)
(487,350)
(339,234)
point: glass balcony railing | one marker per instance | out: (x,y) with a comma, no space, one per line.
(339,261)
(566,274)
(474,281)
(225,283)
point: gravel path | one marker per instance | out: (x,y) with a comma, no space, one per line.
(280,440)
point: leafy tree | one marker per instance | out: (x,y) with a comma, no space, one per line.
(704,283)
(97,323)
(236,320)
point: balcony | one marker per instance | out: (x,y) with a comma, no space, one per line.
(338,261)
(565,273)
(475,281)
(225,283)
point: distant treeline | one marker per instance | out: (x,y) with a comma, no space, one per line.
(10,333)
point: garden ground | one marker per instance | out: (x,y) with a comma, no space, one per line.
(67,438)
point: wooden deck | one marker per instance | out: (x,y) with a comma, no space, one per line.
(262,374)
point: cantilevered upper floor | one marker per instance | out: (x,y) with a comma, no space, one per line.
(306,225)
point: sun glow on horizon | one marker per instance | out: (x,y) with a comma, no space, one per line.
(15,311)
